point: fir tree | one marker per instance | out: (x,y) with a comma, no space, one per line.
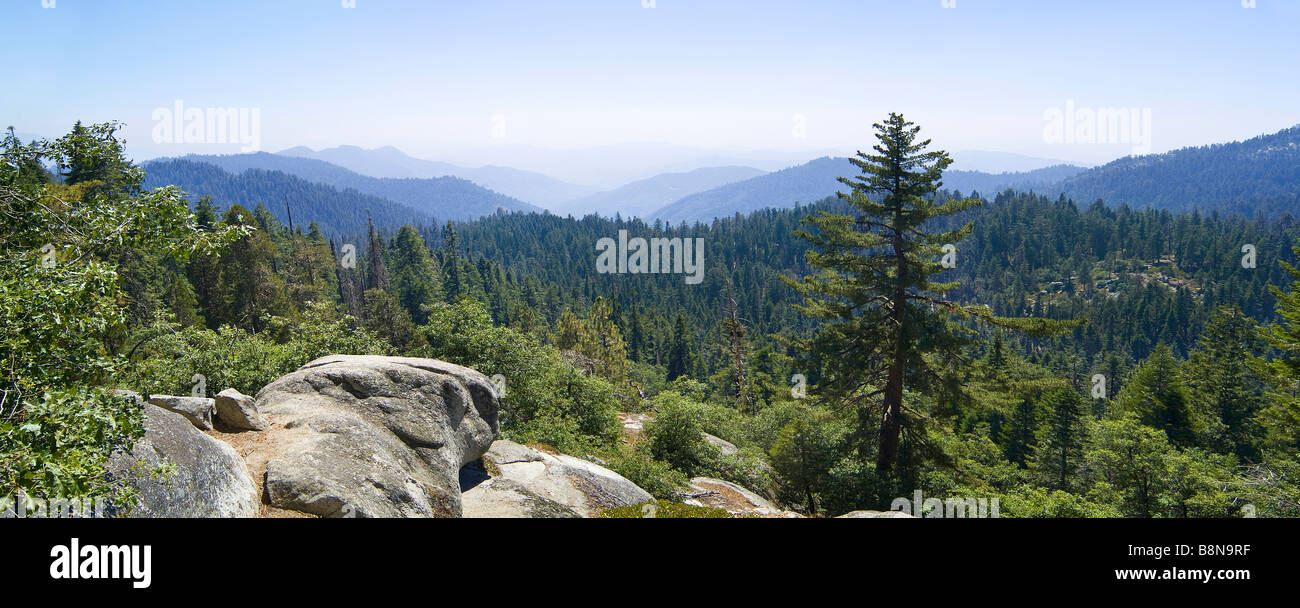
(1060,450)
(377,277)
(1281,420)
(887,326)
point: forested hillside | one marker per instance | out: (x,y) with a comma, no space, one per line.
(1257,176)
(333,210)
(1068,360)
(816,180)
(442,197)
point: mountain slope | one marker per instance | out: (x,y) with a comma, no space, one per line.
(816,180)
(444,198)
(1259,175)
(389,162)
(805,183)
(641,198)
(335,211)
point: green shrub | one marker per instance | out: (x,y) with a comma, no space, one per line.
(658,478)
(546,399)
(234,358)
(748,468)
(59,445)
(676,434)
(663,509)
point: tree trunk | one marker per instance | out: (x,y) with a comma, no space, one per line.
(890,423)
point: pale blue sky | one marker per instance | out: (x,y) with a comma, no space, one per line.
(430,76)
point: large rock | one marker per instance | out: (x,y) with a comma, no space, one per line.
(737,500)
(517,481)
(197,410)
(367,436)
(876,515)
(206,477)
(239,412)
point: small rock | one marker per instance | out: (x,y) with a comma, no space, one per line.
(734,499)
(505,452)
(238,410)
(197,410)
(132,395)
(530,483)
(725,447)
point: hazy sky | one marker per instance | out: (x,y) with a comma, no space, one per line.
(452,80)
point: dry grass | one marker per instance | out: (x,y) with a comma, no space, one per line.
(256,449)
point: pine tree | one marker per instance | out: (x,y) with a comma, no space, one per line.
(1281,420)
(569,331)
(802,456)
(452,280)
(1060,450)
(636,333)
(733,335)
(347,282)
(250,289)
(887,327)
(387,319)
(377,277)
(204,270)
(1157,396)
(680,361)
(1225,383)
(415,277)
(603,343)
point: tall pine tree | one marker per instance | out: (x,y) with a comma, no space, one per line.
(887,327)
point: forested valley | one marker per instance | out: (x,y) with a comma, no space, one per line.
(1069,358)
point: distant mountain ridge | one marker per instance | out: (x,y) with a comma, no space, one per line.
(817,179)
(1259,175)
(444,198)
(389,162)
(642,198)
(335,211)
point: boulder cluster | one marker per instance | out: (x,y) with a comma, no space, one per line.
(369,436)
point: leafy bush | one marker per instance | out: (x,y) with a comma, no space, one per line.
(545,399)
(748,468)
(62,309)
(1030,501)
(658,478)
(676,435)
(60,445)
(663,509)
(852,485)
(234,358)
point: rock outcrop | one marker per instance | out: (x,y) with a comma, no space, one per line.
(368,436)
(197,410)
(513,481)
(237,411)
(206,478)
(734,499)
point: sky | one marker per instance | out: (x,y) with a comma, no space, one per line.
(478,81)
